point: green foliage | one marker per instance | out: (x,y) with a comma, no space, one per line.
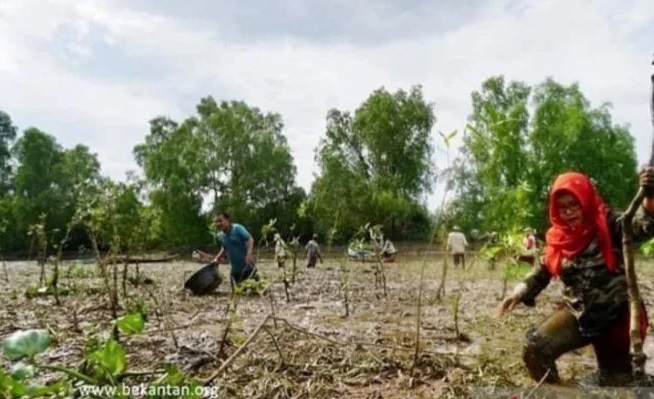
(105,365)
(131,323)
(510,156)
(250,286)
(647,248)
(23,344)
(375,164)
(232,153)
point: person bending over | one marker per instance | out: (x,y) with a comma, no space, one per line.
(238,243)
(584,250)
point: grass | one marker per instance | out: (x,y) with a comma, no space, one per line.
(311,350)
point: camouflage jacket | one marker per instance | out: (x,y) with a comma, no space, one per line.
(591,292)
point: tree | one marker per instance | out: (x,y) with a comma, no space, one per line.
(567,133)
(231,153)
(79,174)
(48,180)
(8,236)
(38,181)
(376,165)
(248,165)
(7,136)
(509,157)
(169,158)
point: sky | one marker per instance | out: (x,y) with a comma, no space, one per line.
(96,71)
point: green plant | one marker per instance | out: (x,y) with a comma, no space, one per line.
(105,363)
(507,250)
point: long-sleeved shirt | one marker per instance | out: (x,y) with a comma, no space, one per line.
(313,249)
(456,242)
(280,248)
(593,293)
(389,247)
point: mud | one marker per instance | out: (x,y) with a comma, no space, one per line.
(322,352)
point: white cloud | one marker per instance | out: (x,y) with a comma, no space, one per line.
(571,40)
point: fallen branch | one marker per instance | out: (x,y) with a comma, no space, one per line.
(237,353)
(274,340)
(538,385)
(185,326)
(142,373)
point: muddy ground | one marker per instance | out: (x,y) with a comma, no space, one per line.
(310,348)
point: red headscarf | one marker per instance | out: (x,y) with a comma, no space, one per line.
(563,241)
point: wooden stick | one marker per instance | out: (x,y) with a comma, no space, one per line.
(635,300)
(638,357)
(238,351)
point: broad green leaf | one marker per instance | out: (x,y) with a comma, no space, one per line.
(26,344)
(111,356)
(131,323)
(58,389)
(20,371)
(18,389)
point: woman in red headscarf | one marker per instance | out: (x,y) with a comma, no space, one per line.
(584,250)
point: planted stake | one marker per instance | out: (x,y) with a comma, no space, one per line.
(635,300)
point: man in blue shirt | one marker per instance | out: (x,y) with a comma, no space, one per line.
(238,243)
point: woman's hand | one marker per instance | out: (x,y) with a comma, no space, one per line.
(646,181)
(508,304)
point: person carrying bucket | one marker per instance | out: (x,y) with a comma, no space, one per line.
(238,243)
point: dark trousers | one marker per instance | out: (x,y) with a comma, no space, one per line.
(249,272)
(560,334)
(311,262)
(459,259)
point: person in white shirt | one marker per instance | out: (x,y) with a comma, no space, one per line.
(388,250)
(313,252)
(280,250)
(456,245)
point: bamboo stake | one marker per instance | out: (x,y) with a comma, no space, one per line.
(635,300)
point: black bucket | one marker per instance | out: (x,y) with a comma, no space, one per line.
(204,280)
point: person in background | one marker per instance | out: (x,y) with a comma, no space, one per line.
(238,243)
(530,249)
(583,248)
(313,252)
(388,251)
(456,245)
(280,250)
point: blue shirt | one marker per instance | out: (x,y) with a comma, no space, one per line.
(234,242)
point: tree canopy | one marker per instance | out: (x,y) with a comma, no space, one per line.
(376,164)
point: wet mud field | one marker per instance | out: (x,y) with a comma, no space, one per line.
(336,334)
